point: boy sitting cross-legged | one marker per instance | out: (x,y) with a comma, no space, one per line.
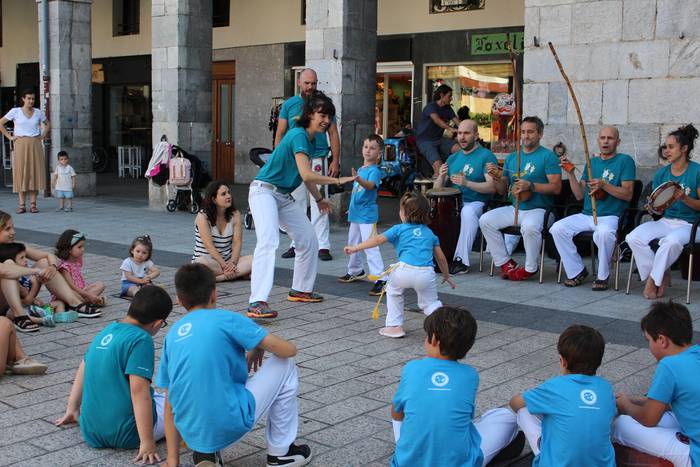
(567,418)
(434,405)
(111,397)
(666,423)
(211,402)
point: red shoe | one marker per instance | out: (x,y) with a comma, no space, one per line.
(520,274)
(507,268)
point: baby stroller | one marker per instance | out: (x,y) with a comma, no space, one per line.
(186,176)
(258,156)
(397,166)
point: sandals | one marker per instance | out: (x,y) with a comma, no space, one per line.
(578,280)
(600,285)
(24,324)
(33,209)
(20,209)
(86,310)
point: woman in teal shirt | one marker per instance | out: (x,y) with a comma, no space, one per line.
(673,229)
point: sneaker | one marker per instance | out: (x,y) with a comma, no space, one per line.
(377,289)
(520,274)
(289,253)
(296,455)
(352,277)
(59,209)
(68,209)
(67,316)
(507,268)
(306,297)
(260,310)
(394,332)
(27,366)
(458,267)
(201,459)
(324,255)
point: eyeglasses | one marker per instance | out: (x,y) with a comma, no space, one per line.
(78,236)
(163,324)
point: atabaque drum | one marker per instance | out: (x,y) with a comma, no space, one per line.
(445,210)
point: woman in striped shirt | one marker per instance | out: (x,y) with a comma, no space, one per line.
(218,235)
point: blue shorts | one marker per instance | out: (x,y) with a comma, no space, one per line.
(64,194)
(438,150)
(125,287)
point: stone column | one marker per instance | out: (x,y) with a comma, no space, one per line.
(70,72)
(181,51)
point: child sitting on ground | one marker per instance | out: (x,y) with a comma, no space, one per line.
(210,400)
(434,405)
(415,245)
(111,397)
(666,423)
(567,418)
(363,215)
(70,248)
(138,269)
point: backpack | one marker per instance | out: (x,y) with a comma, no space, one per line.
(180,170)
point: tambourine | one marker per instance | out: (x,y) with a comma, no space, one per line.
(662,197)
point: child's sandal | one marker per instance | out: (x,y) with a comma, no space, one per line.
(24,324)
(85,310)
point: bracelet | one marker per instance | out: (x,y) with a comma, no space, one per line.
(337,181)
(318,200)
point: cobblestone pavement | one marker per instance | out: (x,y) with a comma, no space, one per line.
(348,373)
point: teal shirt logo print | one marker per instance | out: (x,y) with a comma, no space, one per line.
(588,397)
(440,379)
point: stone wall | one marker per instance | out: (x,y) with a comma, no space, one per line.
(633,63)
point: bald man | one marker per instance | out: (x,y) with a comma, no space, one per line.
(289,114)
(614,174)
(465,169)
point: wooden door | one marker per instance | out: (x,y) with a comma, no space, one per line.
(223,118)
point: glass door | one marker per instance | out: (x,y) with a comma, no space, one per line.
(393,98)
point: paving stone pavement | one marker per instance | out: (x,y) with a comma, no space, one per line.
(348,373)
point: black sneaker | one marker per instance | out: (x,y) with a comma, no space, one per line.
(324,255)
(458,267)
(289,253)
(377,289)
(352,277)
(201,459)
(296,455)
(511,451)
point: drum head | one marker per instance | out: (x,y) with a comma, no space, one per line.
(446,191)
(663,194)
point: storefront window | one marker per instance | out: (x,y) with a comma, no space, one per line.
(392,109)
(130,115)
(479,87)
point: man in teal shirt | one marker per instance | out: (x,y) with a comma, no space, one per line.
(289,114)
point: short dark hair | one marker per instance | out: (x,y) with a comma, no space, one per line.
(11,250)
(150,304)
(415,208)
(315,102)
(463,113)
(375,138)
(669,319)
(582,347)
(454,328)
(65,243)
(62,154)
(537,121)
(441,91)
(194,283)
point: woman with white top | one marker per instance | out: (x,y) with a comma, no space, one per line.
(28,161)
(218,235)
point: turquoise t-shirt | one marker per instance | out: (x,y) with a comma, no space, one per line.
(363,203)
(676,383)
(291,110)
(472,165)
(577,413)
(107,412)
(689,181)
(413,242)
(203,367)
(535,167)
(438,399)
(281,168)
(619,168)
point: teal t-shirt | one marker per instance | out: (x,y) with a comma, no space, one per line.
(472,165)
(363,203)
(535,167)
(619,168)
(689,181)
(414,243)
(281,168)
(107,414)
(291,110)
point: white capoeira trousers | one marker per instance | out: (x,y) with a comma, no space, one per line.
(660,441)
(604,236)
(319,220)
(497,428)
(530,222)
(357,234)
(674,234)
(271,210)
(469,226)
(532,428)
(420,279)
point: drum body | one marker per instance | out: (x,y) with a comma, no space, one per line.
(445,213)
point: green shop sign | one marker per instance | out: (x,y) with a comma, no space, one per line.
(494,44)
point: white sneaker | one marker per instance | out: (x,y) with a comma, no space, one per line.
(27,366)
(394,332)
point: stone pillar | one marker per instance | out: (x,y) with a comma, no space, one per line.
(181,51)
(70,90)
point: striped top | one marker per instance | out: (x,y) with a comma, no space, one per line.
(222,241)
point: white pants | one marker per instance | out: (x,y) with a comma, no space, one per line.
(497,428)
(159,422)
(320,221)
(270,210)
(359,233)
(420,279)
(468,228)
(274,387)
(659,441)
(530,222)
(673,235)
(604,236)
(532,428)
